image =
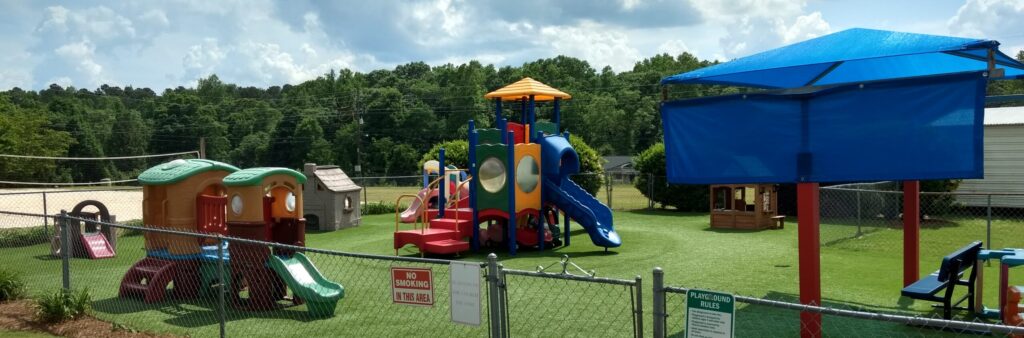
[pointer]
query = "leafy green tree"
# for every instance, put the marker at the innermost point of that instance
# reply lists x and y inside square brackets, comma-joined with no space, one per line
[27,132]
[651,165]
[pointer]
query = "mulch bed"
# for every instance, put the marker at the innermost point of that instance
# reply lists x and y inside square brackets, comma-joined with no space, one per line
[20,316]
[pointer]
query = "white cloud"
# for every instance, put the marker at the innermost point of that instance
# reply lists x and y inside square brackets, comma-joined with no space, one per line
[202,59]
[62,81]
[599,44]
[82,55]
[753,26]
[156,17]
[100,23]
[435,22]
[991,19]
[674,47]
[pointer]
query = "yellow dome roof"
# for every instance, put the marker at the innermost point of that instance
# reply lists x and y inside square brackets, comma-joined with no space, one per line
[527,87]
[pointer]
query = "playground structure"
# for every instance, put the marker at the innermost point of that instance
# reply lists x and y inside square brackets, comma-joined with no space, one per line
[517,184]
[331,198]
[265,205]
[745,206]
[89,238]
[1010,310]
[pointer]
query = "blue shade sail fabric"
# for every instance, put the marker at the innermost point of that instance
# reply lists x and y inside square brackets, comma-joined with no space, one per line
[911,129]
[854,55]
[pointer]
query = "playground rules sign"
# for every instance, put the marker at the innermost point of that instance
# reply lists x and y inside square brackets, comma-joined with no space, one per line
[465,290]
[709,314]
[413,286]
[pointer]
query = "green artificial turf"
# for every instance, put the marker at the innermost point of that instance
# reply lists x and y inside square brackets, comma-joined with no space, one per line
[857,272]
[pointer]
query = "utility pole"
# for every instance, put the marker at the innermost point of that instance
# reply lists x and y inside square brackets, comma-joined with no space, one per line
[202,147]
[358,119]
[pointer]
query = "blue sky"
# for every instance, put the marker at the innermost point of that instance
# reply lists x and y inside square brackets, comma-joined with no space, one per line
[160,44]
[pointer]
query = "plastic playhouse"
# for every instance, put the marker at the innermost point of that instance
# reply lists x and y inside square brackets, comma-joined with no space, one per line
[518,183]
[262,204]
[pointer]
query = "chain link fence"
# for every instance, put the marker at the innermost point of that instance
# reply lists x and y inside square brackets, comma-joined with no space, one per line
[779,315]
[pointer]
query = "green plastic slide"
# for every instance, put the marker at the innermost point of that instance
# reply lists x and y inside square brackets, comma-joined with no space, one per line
[321,295]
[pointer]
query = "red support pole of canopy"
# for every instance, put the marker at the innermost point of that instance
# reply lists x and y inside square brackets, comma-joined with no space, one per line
[911,231]
[809,238]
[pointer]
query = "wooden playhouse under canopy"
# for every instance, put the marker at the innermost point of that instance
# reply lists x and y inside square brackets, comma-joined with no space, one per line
[745,206]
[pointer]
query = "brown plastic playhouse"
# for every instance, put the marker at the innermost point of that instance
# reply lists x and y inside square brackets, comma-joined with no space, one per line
[265,204]
[745,206]
[181,195]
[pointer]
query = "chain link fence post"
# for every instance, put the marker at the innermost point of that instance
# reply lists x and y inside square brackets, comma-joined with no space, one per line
[65,250]
[639,307]
[659,302]
[650,191]
[46,220]
[608,188]
[493,297]
[988,222]
[221,287]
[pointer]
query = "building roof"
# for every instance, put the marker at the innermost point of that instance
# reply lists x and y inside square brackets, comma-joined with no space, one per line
[527,87]
[1004,116]
[334,179]
[181,169]
[255,176]
[612,162]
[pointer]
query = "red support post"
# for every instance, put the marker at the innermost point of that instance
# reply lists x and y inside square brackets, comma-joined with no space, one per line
[911,231]
[809,237]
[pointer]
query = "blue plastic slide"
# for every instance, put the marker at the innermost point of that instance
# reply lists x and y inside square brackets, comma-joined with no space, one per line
[595,217]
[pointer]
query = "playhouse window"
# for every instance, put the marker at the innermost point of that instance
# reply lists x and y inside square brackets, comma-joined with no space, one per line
[721,198]
[236,204]
[492,175]
[289,202]
[348,203]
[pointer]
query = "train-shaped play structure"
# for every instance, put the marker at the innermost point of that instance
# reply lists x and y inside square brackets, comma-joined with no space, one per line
[518,183]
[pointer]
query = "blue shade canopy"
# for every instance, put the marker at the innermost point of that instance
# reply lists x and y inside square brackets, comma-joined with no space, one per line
[909,129]
[855,55]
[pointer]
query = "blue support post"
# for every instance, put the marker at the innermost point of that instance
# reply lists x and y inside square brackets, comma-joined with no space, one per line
[474,243]
[510,175]
[532,118]
[442,186]
[566,135]
[565,228]
[558,114]
[503,126]
[522,110]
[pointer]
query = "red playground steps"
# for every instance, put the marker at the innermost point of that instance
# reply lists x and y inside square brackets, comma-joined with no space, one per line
[149,278]
[443,236]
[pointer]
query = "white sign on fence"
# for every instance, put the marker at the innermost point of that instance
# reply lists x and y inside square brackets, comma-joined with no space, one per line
[709,314]
[465,291]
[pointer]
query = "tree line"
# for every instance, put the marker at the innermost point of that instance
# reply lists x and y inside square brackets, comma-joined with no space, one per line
[382,121]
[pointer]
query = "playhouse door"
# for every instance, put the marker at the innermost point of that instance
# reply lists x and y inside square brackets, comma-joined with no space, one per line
[210,214]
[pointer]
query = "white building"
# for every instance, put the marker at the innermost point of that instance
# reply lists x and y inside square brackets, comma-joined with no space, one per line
[1004,160]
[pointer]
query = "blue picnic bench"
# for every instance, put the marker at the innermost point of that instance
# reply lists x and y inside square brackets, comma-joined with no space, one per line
[951,271]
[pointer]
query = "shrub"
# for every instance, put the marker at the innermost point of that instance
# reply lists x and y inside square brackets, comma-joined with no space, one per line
[63,305]
[11,286]
[590,163]
[380,208]
[456,152]
[651,165]
[24,236]
[125,232]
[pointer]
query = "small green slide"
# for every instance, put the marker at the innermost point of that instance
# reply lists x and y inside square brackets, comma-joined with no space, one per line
[321,295]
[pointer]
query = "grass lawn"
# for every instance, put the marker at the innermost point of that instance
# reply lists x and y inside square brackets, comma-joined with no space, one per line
[856,272]
[23,334]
